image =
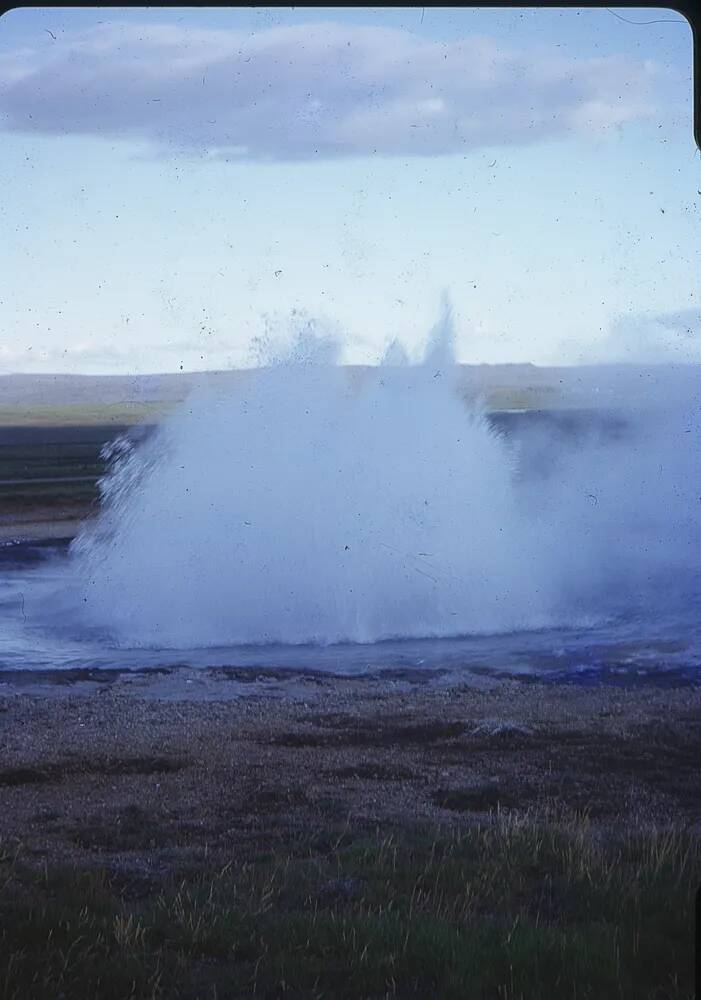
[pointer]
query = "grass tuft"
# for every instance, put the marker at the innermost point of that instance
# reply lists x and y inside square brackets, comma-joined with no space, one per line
[518,907]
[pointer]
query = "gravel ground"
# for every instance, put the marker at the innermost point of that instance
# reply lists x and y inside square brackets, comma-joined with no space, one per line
[117,774]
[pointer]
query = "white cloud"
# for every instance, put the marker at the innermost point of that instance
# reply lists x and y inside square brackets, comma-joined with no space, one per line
[321,90]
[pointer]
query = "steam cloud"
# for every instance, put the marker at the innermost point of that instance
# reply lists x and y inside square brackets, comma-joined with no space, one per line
[308,508]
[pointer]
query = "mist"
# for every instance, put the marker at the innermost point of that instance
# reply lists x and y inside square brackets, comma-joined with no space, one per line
[308,507]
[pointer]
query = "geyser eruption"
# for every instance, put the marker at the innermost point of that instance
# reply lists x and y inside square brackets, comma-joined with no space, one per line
[307,506]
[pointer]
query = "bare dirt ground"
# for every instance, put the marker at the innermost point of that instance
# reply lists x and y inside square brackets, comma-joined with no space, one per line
[116,777]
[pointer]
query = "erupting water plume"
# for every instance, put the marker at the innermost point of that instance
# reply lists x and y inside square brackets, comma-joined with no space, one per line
[306,506]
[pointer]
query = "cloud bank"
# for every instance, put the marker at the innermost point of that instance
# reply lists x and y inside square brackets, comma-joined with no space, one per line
[314,91]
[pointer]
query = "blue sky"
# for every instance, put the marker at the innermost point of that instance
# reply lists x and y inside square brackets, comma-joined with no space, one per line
[179,183]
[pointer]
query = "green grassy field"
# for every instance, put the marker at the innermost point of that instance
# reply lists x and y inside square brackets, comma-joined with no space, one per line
[126,414]
[79,415]
[527,908]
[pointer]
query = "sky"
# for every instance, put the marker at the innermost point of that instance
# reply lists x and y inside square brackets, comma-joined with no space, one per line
[181,187]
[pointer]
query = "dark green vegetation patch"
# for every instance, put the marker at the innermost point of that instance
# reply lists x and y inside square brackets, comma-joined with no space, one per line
[533,908]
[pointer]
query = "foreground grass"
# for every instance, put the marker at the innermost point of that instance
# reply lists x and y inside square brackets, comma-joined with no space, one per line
[515,908]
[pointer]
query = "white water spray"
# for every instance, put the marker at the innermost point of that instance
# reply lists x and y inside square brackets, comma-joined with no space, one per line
[305,508]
